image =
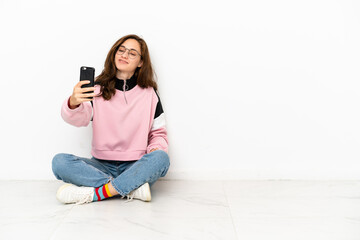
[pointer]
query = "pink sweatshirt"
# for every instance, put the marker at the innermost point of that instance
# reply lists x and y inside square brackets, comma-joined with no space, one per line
[127,126]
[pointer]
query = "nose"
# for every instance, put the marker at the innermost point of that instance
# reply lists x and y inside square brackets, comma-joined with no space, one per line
[126,53]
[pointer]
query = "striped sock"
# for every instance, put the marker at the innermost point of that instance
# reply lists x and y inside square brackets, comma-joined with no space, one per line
[102,193]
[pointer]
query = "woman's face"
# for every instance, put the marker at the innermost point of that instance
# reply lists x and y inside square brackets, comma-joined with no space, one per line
[127,60]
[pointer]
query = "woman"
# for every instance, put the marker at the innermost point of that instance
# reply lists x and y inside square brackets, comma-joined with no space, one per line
[129,144]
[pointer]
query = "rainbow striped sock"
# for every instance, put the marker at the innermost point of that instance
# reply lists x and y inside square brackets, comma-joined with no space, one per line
[102,193]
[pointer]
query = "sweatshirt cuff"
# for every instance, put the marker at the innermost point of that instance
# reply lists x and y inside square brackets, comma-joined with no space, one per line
[149,148]
[68,105]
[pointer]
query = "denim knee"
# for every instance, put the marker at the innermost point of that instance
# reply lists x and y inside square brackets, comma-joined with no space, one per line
[163,160]
[58,164]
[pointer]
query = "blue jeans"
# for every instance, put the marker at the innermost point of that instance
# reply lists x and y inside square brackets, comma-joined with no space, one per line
[124,176]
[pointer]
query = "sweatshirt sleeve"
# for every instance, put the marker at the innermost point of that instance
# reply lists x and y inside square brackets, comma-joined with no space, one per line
[78,117]
[158,133]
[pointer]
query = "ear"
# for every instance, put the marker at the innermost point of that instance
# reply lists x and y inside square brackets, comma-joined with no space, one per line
[140,64]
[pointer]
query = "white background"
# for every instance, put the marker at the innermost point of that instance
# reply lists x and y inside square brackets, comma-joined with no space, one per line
[251,89]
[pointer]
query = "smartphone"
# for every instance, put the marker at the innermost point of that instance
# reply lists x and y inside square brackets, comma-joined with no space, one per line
[87,73]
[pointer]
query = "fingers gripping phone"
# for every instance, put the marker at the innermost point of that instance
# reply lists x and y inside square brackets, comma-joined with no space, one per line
[87,73]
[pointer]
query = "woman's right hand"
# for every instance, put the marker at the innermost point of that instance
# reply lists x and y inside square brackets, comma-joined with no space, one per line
[78,96]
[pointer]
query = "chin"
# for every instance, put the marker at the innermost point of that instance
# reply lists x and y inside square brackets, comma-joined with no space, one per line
[120,68]
[125,69]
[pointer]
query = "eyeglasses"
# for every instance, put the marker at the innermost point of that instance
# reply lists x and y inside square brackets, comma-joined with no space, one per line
[132,52]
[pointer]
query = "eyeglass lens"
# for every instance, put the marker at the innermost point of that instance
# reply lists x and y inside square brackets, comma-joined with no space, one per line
[132,52]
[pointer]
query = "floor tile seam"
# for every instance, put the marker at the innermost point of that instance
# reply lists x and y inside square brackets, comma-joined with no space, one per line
[53,234]
[229,209]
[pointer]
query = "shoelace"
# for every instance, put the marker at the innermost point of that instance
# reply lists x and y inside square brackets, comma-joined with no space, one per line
[86,199]
[130,196]
[124,89]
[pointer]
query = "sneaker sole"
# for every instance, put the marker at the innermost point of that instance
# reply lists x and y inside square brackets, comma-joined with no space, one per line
[60,190]
[148,197]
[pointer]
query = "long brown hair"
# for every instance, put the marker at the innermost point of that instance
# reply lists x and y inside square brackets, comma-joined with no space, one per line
[144,74]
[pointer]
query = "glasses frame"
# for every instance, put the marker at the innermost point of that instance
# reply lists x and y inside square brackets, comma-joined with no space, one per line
[127,49]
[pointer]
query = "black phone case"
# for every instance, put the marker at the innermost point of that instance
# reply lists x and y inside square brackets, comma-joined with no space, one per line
[87,73]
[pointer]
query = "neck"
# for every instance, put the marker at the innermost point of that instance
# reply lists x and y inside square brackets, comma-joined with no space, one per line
[124,75]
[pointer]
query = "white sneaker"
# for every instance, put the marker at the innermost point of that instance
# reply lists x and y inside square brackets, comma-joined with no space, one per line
[69,193]
[143,193]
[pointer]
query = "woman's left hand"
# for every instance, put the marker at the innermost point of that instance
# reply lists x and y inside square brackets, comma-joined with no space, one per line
[154,149]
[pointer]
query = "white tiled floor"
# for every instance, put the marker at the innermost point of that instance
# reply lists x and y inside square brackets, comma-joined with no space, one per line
[291,210]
